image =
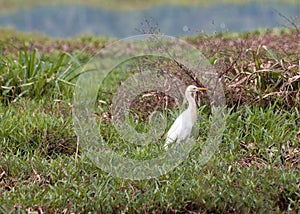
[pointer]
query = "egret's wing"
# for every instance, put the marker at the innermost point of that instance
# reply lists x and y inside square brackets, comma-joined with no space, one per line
[180,130]
[174,131]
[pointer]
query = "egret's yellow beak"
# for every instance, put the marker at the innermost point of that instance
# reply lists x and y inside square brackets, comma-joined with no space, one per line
[201,89]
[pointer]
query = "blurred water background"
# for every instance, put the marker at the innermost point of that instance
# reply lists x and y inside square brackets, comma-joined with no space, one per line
[65,20]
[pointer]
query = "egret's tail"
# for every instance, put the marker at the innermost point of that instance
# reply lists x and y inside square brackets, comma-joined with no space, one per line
[169,141]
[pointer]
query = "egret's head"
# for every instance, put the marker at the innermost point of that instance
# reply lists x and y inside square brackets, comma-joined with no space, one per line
[192,88]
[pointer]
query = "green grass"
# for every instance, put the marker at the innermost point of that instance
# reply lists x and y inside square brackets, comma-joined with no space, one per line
[256,169]
[252,172]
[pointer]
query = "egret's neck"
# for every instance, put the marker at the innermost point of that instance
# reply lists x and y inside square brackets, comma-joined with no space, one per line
[191,101]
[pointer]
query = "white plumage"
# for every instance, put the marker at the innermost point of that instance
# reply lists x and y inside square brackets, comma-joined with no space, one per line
[182,127]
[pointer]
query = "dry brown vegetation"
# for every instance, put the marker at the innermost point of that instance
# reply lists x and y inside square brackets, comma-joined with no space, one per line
[255,68]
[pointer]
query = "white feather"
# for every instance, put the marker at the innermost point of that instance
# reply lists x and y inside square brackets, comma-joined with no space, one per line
[182,127]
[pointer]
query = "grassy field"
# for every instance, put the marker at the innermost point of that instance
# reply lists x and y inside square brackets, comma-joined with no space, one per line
[256,169]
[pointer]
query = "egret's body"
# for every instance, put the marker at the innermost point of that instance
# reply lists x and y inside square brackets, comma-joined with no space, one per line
[182,127]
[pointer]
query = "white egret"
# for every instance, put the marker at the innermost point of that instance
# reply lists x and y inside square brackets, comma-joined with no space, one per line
[182,127]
